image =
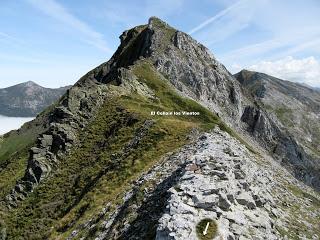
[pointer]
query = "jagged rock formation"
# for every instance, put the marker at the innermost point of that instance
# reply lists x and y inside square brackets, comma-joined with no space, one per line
[194,71]
[73,112]
[144,42]
[27,99]
[103,167]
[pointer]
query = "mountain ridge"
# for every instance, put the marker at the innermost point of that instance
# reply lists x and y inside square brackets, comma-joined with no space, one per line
[27,99]
[276,93]
[99,165]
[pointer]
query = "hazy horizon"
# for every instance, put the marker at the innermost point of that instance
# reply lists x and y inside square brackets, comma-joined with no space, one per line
[11,123]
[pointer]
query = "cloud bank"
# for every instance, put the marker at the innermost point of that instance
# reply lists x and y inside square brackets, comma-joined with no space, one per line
[304,70]
[9,123]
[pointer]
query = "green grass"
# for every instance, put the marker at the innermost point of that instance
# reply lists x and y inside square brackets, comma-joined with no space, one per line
[285,116]
[100,169]
[13,143]
[170,100]
[97,171]
[303,194]
[212,229]
[14,155]
[300,214]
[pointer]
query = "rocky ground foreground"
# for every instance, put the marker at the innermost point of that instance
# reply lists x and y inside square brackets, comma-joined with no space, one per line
[238,190]
[214,179]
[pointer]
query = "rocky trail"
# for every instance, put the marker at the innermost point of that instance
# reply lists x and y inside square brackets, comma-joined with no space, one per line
[213,178]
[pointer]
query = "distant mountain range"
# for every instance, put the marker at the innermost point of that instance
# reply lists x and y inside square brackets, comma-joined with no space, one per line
[27,99]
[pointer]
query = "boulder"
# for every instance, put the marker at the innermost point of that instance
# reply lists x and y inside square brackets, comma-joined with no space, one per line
[246,199]
[224,202]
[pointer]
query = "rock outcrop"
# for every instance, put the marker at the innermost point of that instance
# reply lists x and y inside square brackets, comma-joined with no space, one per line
[72,114]
[214,177]
[195,72]
[228,187]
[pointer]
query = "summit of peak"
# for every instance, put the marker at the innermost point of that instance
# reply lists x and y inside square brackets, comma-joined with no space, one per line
[31,83]
[156,21]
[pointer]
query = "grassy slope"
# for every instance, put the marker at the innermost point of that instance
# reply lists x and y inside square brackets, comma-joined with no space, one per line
[96,172]
[14,152]
[304,218]
[14,155]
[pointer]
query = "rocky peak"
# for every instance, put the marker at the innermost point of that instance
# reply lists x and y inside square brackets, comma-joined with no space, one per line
[244,75]
[188,65]
[259,83]
[193,70]
[279,119]
[31,84]
[25,85]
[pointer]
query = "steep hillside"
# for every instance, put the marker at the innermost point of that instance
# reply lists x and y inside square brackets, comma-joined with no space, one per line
[296,106]
[27,99]
[293,107]
[141,147]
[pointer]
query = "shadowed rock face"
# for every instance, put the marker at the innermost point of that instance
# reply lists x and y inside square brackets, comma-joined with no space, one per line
[27,99]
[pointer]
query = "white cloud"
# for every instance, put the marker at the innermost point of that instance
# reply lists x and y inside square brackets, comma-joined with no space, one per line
[304,70]
[231,20]
[313,44]
[7,36]
[252,31]
[58,12]
[220,14]
[285,45]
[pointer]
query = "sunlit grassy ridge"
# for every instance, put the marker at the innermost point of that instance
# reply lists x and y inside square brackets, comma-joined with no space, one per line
[100,168]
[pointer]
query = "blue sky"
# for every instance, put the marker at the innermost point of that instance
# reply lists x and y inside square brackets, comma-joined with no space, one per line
[55,42]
